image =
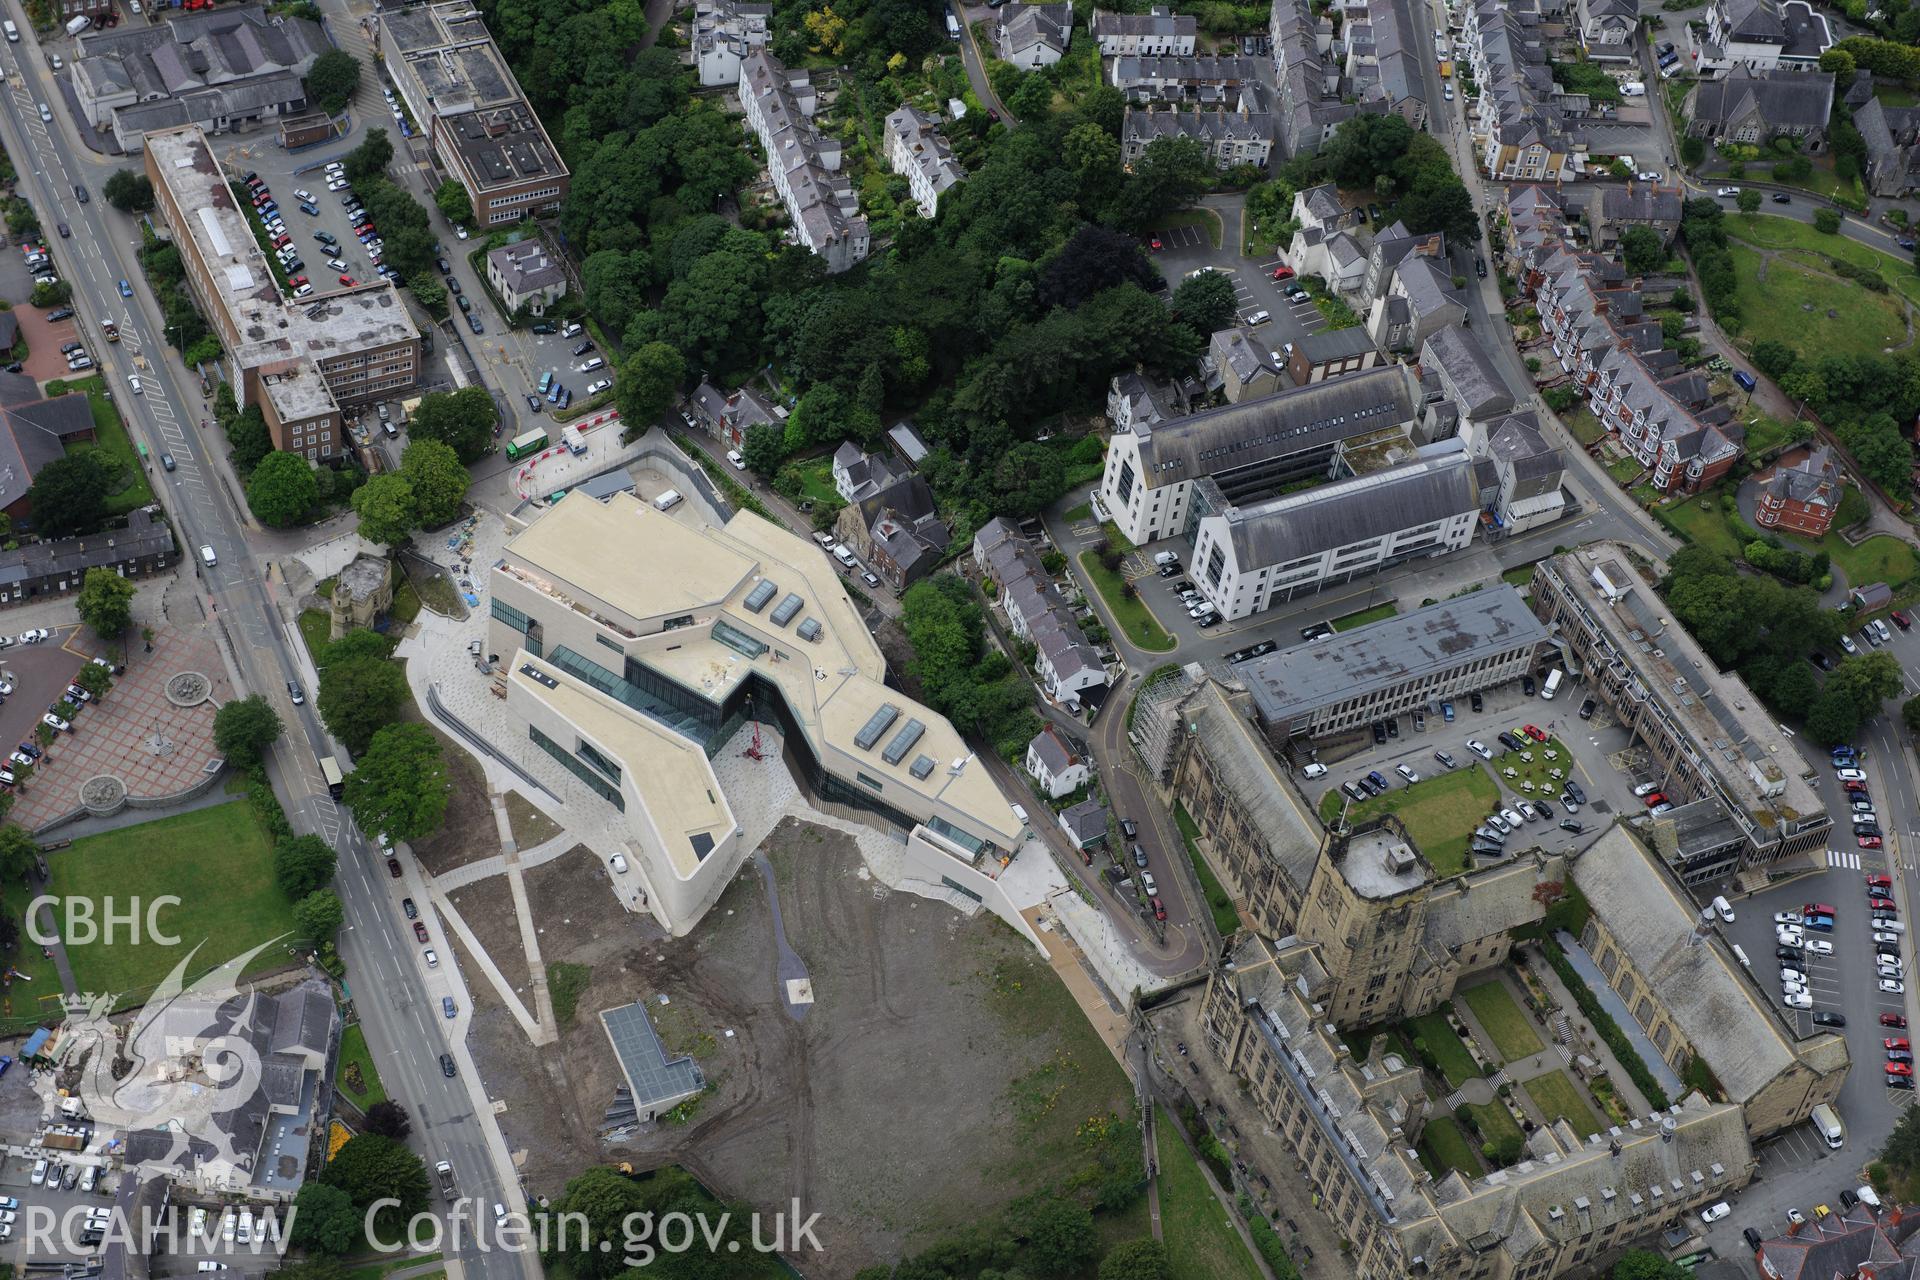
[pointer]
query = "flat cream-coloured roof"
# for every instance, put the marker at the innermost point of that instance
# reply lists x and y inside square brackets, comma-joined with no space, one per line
[671,773]
[832,685]
[625,554]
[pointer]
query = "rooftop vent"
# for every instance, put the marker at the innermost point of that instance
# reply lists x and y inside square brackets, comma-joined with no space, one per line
[757,598]
[921,767]
[784,611]
[809,630]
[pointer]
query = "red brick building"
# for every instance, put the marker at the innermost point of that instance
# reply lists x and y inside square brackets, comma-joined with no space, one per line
[1802,496]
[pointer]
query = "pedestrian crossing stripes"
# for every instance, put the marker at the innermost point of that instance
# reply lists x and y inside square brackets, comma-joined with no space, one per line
[1840,858]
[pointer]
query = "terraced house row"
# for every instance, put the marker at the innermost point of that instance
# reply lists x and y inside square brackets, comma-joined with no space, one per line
[1662,411]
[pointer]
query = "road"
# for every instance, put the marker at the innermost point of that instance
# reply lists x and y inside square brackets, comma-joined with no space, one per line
[390,995]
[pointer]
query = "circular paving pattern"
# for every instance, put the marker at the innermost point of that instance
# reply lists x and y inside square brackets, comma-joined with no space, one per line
[103,794]
[188,689]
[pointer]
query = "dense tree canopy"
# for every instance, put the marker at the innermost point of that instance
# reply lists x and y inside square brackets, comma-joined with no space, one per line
[106,602]
[302,864]
[69,495]
[400,784]
[371,1167]
[438,480]
[463,419]
[360,696]
[244,728]
[282,489]
[332,80]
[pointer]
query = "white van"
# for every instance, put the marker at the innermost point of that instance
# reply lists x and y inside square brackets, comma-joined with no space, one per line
[76,25]
[953,27]
[1633,89]
[13,32]
[667,500]
[207,557]
[843,555]
[1827,1121]
[739,463]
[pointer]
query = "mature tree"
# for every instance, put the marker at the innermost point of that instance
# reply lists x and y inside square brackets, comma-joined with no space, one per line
[386,509]
[1833,719]
[464,419]
[430,291]
[1365,147]
[333,79]
[1439,202]
[389,1119]
[1774,358]
[1027,479]
[438,480]
[370,159]
[604,1198]
[282,489]
[1840,63]
[244,729]
[1205,303]
[69,496]
[1641,250]
[1640,1264]
[1170,173]
[1748,200]
[359,697]
[764,449]
[106,602]
[324,1220]
[646,385]
[18,852]
[1092,261]
[129,191]
[302,864]
[1910,714]
[453,202]
[370,1167]
[1142,1259]
[95,679]
[1794,691]
[1826,220]
[1058,1234]
[319,915]
[615,283]
[400,783]
[361,642]
[1866,680]
[50,293]
[251,440]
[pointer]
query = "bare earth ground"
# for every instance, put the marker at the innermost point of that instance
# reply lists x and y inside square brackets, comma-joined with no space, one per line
[487,907]
[529,826]
[942,1072]
[469,832]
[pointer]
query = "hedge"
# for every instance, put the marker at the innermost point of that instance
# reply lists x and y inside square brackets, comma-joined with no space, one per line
[1630,1059]
[1267,1241]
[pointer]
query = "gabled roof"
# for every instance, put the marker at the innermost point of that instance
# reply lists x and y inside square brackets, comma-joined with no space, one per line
[1466,369]
[1437,486]
[1052,750]
[1023,26]
[1783,99]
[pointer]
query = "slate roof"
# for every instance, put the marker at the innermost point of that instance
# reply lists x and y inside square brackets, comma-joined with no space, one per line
[1537,466]
[1161,21]
[1754,21]
[1815,480]
[527,266]
[1842,1245]
[1476,385]
[1052,751]
[1334,344]
[1086,822]
[1724,1015]
[1436,486]
[1783,99]
[34,434]
[1246,768]
[1427,286]
[1235,349]
[144,537]
[1023,26]
[1636,202]
[1287,422]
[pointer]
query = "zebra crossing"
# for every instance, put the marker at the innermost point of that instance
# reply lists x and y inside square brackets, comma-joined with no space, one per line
[1841,858]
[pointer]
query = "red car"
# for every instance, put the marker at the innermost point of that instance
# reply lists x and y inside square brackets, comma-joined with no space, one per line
[1884,882]
[1894,1020]
[1901,620]
[297,281]
[346,279]
[1283,273]
[1856,786]
[1868,842]
[1658,797]
[1159,909]
[1535,732]
[1154,244]
[393,867]
[1899,1068]
[1897,1042]
[420,931]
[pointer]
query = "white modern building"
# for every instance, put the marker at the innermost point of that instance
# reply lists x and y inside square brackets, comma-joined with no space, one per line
[802,162]
[1248,558]
[1251,449]
[917,151]
[636,644]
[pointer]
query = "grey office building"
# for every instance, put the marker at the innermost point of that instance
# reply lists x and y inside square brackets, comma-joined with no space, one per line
[1446,650]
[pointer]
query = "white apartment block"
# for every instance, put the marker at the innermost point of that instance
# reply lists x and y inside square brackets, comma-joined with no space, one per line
[916,150]
[724,33]
[803,163]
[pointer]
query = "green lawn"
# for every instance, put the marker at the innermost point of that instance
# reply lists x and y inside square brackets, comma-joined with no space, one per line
[1559,1098]
[1537,770]
[1082,512]
[1810,245]
[1226,921]
[353,1050]
[1521,577]
[33,992]
[1792,303]
[216,861]
[1583,426]
[817,479]
[1881,558]
[1494,1120]
[1133,616]
[1623,470]
[1444,1145]
[1456,1064]
[1764,432]
[110,437]
[316,628]
[1513,1036]
[1364,616]
[1440,812]
[1202,1243]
